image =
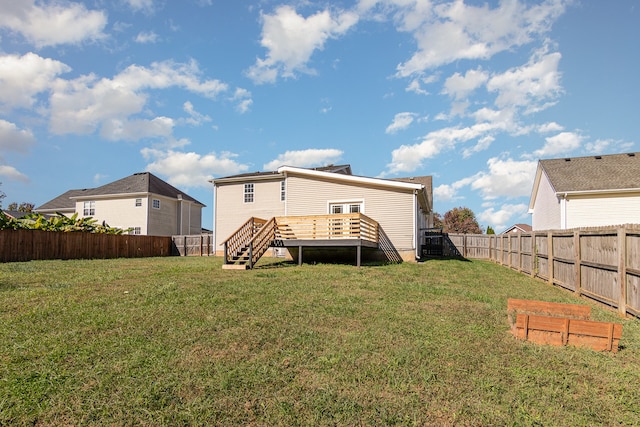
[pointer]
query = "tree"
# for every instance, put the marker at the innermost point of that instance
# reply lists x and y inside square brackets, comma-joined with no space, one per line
[437,220]
[461,220]
[490,230]
[24,207]
[2,196]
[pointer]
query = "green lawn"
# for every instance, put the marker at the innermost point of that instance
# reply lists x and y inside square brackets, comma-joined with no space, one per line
[179,341]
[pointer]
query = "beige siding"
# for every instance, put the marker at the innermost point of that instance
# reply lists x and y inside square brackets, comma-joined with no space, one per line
[121,213]
[163,221]
[393,209]
[546,210]
[231,211]
[613,209]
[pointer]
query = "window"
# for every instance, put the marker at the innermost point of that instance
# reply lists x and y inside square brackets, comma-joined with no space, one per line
[156,204]
[283,191]
[248,193]
[135,230]
[138,202]
[89,208]
[345,207]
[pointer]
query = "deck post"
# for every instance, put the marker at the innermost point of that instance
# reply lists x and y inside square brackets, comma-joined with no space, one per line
[225,253]
[299,255]
[358,255]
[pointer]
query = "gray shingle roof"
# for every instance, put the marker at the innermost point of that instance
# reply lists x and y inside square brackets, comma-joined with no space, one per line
[594,173]
[343,169]
[143,182]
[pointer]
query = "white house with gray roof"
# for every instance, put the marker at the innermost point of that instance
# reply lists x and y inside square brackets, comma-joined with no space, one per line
[142,202]
[587,191]
[401,207]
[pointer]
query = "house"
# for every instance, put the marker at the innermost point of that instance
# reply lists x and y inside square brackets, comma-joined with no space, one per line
[586,192]
[327,212]
[518,228]
[142,202]
[15,214]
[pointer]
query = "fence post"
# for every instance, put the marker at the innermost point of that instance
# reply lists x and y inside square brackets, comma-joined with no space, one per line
[534,255]
[578,258]
[622,270]
[550,257]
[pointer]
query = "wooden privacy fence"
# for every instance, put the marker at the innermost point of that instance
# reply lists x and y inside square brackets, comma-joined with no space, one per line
[27,245]
[194,245]
[600,263]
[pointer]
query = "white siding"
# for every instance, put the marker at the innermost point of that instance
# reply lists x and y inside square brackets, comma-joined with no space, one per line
[546,209]
[163,221]
[231,211]
[122,213]
[393,209]
[613,209]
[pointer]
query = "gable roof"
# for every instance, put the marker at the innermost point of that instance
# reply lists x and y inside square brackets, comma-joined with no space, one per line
[340,169]
[138,183]
[523,228]
[593,173]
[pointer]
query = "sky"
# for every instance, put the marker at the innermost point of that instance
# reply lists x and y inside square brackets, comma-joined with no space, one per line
[471,92]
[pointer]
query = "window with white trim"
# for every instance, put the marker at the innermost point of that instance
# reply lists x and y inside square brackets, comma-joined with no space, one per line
[89,208]
[135,230]
[156,204]
[283,191]
[138,202]
[248,193]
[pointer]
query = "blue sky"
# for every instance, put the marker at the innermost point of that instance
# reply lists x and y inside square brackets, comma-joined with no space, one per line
[473,93]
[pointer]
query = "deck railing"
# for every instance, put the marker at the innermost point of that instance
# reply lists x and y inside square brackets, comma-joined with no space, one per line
[327,227]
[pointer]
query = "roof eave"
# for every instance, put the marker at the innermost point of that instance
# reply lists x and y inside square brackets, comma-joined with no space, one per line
[350,178]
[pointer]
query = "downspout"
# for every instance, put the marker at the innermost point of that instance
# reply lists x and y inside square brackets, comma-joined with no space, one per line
[415,228]
[563,212]
[180,230]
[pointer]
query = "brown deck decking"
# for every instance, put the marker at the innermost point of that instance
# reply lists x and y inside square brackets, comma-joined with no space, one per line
[249,242]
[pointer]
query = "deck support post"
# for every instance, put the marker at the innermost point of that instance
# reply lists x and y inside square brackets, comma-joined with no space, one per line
[358,255]
[299,255]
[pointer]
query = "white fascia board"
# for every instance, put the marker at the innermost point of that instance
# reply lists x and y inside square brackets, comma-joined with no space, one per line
[111,196]
[564,194]
[247,178]
[350,178]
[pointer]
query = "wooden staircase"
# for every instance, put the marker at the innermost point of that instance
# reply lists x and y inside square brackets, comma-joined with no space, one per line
[245,247]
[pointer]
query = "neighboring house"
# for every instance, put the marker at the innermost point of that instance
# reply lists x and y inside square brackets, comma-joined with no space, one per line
[586,192]
[142,202]
[15,214]
[401,207]
[518,228]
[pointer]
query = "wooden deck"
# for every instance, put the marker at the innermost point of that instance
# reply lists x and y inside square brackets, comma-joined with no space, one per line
[249,242]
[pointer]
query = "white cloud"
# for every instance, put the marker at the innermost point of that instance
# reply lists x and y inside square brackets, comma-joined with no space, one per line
[145,37]
[530,85]
[562,143]
[291,39]
[459,87]
[482,145]
[189,169]
[505,178]
[88,103]
[448,32]
[401,121]
[195,118]
[602,146]
[243,99]
[12,173]
[52,24]
[502,218]
[14,139]
[141,5]
[408,158]
[305,158]
[23,77]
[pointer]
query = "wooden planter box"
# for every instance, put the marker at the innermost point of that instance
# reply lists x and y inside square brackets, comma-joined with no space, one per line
[561,324]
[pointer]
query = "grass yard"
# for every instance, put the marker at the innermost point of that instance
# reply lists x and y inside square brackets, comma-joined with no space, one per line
[179,341]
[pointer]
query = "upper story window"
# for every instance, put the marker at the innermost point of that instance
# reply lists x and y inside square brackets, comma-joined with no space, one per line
[283,191]
[138,202]
[135,230]
[89,208]
[248,193]
[156,204]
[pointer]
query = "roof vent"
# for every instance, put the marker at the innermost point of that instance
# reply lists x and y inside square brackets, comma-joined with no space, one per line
[567,159]
[631,154]
[598,157]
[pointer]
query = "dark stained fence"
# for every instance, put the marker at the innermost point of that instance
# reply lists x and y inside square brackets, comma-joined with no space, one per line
[194,245]
[599,263]
[27,245]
